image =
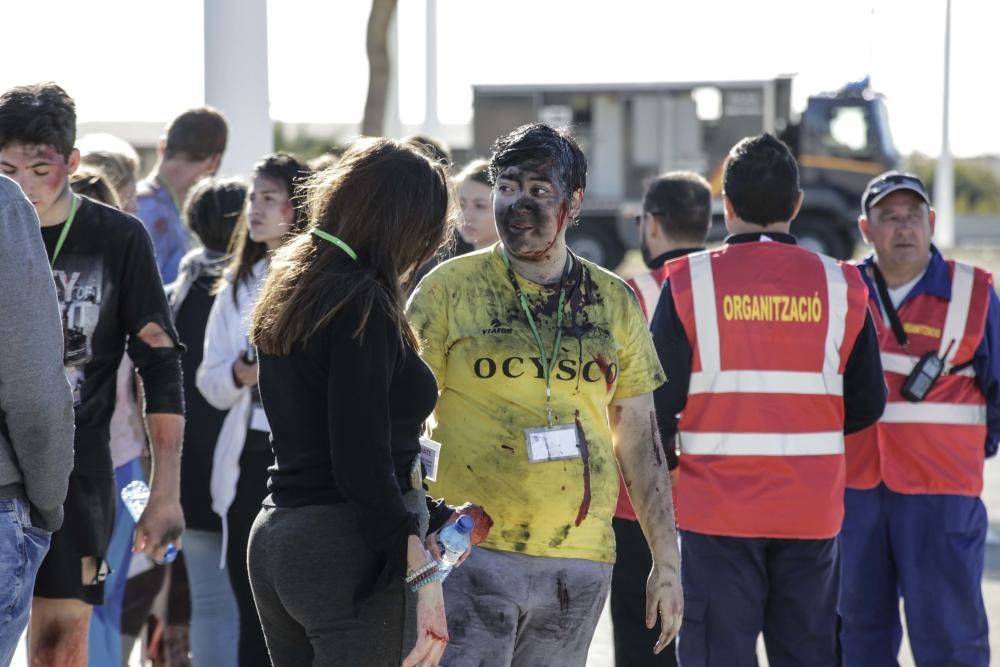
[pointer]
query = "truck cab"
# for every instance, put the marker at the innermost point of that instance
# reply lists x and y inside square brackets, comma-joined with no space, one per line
[633,132]
[841,142]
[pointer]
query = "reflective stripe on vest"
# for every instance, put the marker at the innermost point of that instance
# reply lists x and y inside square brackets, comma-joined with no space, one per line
[934,446]
[902,364]
[956,414]
[711,380]
[648,291]
[761,435]
[763,444]
[958,311]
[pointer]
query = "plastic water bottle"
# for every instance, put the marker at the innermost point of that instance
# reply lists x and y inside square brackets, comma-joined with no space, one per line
[135,495]
[454,540]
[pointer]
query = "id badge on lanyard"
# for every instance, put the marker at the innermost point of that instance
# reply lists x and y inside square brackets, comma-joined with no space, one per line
[550,442]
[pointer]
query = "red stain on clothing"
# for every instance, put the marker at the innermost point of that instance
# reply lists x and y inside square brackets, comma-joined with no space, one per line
[608,370]
[585,455]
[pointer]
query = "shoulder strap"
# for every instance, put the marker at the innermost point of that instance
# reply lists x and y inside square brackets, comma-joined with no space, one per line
[890,310]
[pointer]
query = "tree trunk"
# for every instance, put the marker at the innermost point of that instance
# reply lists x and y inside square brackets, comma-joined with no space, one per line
[378,66]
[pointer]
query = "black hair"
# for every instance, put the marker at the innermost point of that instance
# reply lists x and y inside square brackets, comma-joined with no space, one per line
[681,203]
[40,114]
[761,180]
[539,144]
[213,210]
[292,172]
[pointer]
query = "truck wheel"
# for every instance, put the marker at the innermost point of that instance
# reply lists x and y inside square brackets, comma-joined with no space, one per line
[819,237]
[597,241]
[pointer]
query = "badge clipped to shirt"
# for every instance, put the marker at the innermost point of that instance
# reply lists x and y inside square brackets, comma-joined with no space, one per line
[552,443]
[430,455]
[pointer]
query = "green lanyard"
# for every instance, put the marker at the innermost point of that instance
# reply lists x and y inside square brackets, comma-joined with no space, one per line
[330,238]
[65,230]
[170,191]
[548,363]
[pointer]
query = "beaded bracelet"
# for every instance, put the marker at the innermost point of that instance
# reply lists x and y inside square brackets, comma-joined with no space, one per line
[413,575]
[429,577]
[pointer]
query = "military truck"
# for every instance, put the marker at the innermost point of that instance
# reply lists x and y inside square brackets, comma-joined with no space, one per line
[632,132]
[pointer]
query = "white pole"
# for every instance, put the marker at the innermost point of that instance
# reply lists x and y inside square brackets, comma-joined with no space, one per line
[944,173]
[392,125]
[236,79]
[431,123]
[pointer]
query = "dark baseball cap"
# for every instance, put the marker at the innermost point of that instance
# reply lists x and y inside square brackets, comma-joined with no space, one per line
[885,184]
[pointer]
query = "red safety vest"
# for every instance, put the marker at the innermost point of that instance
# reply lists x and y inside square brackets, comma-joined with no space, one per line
[771,327]
[647,289]
[935,446]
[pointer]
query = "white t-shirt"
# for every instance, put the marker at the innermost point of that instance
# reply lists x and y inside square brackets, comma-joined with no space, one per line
[897,294]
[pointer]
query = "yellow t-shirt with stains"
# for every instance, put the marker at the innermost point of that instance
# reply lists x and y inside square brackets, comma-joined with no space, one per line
[477,341]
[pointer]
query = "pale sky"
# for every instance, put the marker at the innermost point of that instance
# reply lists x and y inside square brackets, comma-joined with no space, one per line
[141,59]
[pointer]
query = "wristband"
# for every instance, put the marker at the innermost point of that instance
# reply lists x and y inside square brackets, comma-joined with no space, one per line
[430,577]
[413,575]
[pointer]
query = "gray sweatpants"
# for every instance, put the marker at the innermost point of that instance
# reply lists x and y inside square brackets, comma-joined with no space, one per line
[525,611]
[305,566]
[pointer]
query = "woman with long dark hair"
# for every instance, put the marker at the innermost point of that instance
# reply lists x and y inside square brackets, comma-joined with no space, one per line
[346,395]
[227,377]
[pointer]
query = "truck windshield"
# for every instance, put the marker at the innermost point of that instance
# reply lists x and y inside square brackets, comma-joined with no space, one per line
[848,134]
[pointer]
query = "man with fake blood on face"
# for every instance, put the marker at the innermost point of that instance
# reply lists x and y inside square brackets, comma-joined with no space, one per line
[546,372]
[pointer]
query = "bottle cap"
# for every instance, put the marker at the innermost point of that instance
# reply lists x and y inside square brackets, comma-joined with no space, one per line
[169,555]
[465,524]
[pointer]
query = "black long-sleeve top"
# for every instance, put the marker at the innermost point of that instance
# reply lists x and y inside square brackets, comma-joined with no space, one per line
[864,384]
[346,416]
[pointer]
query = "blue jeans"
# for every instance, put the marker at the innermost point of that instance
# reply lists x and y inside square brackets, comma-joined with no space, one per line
[215,617]
[22,549]
[106,621]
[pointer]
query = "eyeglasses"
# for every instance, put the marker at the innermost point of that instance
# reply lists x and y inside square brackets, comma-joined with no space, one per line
[638,218]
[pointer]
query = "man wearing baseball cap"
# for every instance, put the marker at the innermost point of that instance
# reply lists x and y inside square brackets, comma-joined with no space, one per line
[914,525]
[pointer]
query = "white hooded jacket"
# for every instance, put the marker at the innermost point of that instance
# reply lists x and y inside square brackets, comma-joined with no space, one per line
[225,341]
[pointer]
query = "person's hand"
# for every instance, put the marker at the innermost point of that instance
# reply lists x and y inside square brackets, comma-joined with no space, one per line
[432,543]
[432,628]
[161,523]
[245,374]
[664,598]
[484,522]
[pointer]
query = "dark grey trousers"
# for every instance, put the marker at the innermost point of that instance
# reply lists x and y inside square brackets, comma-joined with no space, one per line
[305,564]
[513,610]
